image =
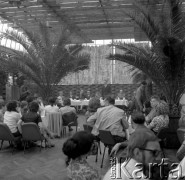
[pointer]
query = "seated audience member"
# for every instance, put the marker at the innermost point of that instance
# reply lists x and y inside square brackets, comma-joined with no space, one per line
[82,94]
[77,148]
[121,95]
[162,118]
[12,117]
[51,108]
[41,106]
[97,95]
[33,116]
[88,96]
[138,125]
[94,104]
[67,108]
[144,148]
[154,101]
[60,98]
[112,119]
[71,95]
[24,107]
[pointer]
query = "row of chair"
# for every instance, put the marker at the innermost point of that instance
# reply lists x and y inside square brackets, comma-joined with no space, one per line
[30,132]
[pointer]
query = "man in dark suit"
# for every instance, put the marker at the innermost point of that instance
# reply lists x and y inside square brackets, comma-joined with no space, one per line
[106,89]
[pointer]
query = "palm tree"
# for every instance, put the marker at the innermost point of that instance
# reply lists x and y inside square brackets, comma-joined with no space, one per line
[164,61]
[44,59]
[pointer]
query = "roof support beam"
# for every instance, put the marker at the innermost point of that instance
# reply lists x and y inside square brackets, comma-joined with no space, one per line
[71,27]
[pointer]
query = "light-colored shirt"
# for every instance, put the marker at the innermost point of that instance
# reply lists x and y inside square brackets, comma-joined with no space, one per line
[126,171]
[11,118]
[109,118]
[51,109]
[67,109]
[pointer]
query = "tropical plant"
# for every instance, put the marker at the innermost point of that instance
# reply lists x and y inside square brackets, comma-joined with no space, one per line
[164,60]
[44,59]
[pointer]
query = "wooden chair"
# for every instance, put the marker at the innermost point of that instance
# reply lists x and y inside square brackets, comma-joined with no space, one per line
[107,139]
[31,132]
[6,135]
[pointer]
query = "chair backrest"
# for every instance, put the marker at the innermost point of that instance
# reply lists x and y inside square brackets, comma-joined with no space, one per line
[70,118]
[106,137]
[5,133]
[181,134]
[87,128]
[31,132]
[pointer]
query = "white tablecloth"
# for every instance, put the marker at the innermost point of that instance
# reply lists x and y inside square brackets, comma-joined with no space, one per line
[86,102]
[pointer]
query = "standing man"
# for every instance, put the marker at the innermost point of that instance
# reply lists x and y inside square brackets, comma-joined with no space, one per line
[106,90]
[141,96]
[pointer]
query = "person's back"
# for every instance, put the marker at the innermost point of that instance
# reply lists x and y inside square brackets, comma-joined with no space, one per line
[31,117]
[67,109]
[51,108]
[111,118]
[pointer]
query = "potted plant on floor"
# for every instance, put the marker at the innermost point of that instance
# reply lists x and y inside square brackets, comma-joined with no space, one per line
[164,60]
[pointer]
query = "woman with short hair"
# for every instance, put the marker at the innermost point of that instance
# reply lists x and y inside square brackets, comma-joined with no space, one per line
[162,118]
[77,148]
[51,108]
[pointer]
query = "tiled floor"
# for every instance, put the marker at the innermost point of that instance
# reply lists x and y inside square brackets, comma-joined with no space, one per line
[49,164]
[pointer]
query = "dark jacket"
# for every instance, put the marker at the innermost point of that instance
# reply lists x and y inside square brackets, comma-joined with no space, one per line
[106,91]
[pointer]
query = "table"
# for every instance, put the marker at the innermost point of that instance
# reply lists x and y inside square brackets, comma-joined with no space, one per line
[54,123]
[81,103]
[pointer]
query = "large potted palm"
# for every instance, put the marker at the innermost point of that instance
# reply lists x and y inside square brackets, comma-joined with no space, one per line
[43,59]
[164,60]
